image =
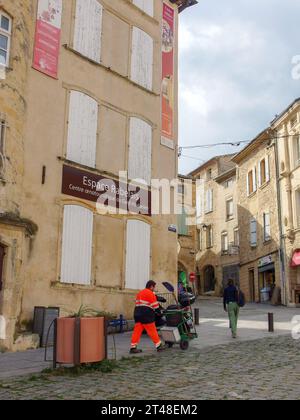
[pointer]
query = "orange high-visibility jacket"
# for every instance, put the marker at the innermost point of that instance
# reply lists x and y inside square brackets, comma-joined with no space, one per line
[145,305]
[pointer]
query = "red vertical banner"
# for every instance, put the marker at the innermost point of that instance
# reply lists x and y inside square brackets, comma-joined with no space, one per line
[167,87]
[47,37]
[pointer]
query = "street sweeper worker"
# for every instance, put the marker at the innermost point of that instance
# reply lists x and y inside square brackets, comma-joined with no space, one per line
[144,315]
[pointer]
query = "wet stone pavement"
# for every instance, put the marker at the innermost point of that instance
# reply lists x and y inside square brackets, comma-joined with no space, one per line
[267,368]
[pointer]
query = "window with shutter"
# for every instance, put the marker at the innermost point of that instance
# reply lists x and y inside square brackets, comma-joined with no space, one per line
[5,38]
[88,29]
[146,5]
[209,237]
[142,58]
[229,209]
[77,241]
[253,232]
[138,254]
[82,129]
[209,201]
[140,150]
[297,151]
[225,243]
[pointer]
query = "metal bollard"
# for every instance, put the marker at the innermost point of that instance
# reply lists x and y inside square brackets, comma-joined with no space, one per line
[196,316]
[271,322]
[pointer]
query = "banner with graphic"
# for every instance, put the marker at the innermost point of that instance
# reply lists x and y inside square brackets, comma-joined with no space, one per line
[47,37]
[167,88]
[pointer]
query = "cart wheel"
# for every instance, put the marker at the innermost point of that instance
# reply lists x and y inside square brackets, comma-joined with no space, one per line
[170,345]
[184,345]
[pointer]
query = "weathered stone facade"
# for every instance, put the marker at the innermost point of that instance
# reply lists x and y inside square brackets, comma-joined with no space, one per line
[37,115]
[286,130]
[218,260]
[263,252]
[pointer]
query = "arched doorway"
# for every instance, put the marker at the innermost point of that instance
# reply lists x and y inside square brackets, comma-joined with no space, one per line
[209,279]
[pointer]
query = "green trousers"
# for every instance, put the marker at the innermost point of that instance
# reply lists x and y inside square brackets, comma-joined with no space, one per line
[233,313]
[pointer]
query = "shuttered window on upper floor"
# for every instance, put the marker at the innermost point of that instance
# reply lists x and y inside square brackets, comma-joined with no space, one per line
[140,150]
[77,241]
[138,254]
[253,232]
[82,129]
[146,5]
[142,58]
[88,29]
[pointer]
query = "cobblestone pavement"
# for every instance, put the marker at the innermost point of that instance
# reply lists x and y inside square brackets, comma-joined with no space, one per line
[262,369]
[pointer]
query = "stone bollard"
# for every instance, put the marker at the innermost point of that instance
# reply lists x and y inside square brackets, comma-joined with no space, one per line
[196,316]
[271,322]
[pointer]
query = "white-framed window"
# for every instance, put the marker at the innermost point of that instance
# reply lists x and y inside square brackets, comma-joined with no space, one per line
[263,171]
[229,209]
[267,227]
[253,232]
[77,244]
[297,197]
[5,38]
[225,242]
[142,58]
[229,183]
[180,188]
[82,129]
[209,201]
[140,150]
[199,236]
[138,254]
[251,182]
[209,237]
[146,6]
[296,142]
[88,29]
[236,234]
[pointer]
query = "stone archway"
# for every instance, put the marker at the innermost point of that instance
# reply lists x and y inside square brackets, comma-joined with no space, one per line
[209,279]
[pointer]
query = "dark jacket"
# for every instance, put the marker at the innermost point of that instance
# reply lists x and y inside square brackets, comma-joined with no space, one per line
[231,294]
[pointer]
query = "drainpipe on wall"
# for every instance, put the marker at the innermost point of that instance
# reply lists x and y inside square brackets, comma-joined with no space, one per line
[282,256]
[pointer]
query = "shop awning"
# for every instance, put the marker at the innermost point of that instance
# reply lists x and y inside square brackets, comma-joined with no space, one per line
[296,259]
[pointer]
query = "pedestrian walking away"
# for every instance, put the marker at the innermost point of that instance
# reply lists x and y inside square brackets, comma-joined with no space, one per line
[231,306]
[144,315]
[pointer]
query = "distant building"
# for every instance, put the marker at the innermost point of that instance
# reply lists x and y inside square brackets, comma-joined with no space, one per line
[217,232]
[258,219]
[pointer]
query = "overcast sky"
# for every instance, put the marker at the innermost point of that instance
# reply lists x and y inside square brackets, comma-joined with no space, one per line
[235,71]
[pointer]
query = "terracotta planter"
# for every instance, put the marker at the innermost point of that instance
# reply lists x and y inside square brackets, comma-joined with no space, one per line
[80,340]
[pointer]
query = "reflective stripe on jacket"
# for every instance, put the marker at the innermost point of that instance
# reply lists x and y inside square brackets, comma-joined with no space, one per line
[145,305]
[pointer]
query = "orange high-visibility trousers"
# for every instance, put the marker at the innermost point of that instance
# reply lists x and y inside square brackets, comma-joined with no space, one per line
[151,331]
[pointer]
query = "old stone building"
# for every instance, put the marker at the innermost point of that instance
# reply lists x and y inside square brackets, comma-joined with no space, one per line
[89,91]
[217,236]
[286,131]
[186,232]
[258,218]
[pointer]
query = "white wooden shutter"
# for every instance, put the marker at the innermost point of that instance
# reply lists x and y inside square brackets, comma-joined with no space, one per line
[142,58]
[253,232]
[267,226]
[77,245]
[259,174]
[140,150]
[82,129]
[88,28]
[268,175]
[254,180]
[146,5]
[248,189]
[138,254]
